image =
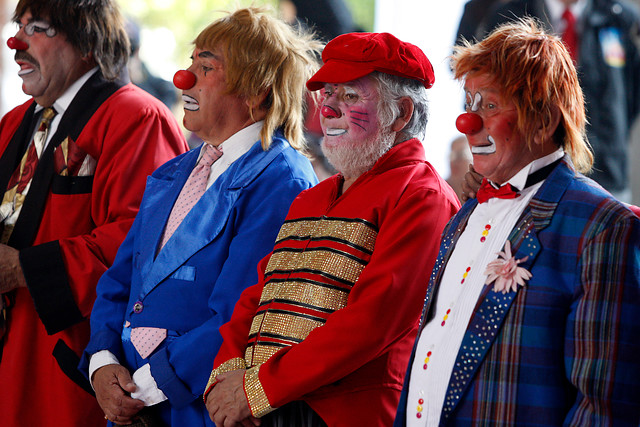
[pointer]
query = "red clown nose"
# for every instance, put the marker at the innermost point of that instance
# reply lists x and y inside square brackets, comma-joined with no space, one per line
[329,112]
[17,44]
[469,123]
[184,79]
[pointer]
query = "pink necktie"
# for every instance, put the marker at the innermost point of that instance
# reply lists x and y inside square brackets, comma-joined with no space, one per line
[193,189]
[570,36]
[145,340]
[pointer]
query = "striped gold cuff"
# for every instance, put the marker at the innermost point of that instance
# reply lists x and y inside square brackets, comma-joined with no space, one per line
[258,401]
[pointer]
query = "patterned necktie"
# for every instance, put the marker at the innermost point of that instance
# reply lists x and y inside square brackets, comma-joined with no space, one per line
[21,179]
[570,36]
[488,191]
[193,189]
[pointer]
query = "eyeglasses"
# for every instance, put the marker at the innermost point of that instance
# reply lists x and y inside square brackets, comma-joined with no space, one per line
[38,27]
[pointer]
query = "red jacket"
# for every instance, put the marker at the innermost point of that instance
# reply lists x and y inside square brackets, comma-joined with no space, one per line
[73,239]
[350,367]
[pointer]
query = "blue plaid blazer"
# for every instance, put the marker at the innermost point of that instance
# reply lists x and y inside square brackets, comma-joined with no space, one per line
[564,349]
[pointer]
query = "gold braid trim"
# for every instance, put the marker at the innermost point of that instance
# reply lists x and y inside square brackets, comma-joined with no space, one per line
[258,401]
[228,366]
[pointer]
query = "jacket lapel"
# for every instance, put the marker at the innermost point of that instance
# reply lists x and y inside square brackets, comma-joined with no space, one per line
[197,230]
[17,147]
[492,308]
[86,102]
[161,191]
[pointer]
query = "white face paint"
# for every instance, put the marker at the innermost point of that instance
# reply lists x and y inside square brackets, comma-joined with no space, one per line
[499,149]
[485,149]
[477,99]
[190,103]
[475,107]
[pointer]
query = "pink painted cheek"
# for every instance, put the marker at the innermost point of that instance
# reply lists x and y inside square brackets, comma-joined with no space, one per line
[361,120]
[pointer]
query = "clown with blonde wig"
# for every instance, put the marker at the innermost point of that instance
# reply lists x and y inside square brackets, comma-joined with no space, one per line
[530,315]
[270,70]
[206,220]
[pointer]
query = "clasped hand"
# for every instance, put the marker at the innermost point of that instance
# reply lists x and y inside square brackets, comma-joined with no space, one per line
[113,384]
[227,403]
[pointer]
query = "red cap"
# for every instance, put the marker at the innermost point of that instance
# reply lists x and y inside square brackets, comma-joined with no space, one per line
[354,55]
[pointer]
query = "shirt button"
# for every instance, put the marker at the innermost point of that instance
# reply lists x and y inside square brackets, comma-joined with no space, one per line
[137,307]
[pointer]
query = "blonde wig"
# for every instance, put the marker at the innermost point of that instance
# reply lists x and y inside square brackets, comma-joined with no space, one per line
[265,55]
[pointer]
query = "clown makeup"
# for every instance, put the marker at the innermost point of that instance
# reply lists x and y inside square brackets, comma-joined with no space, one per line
[210,111]
[474,104]
[351,105]
[48,63]
[353,140]
[499,148]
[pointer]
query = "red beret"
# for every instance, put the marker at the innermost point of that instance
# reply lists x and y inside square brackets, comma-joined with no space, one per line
[354,55]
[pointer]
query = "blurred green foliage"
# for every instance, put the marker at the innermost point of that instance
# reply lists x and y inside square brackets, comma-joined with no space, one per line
[363,12]
[186,18]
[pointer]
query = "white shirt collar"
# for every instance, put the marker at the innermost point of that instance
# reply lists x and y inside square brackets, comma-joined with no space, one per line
[233,148]
[519,180]
[240,142]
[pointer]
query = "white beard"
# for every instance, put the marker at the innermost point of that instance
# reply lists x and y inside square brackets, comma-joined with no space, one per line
[355,159]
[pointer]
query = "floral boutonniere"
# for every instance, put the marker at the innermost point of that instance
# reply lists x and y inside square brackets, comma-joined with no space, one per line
[505,271]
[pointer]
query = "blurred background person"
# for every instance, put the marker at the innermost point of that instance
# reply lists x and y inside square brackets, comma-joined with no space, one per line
[140,74]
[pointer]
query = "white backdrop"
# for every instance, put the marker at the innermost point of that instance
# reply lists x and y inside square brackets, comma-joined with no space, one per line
[431,25]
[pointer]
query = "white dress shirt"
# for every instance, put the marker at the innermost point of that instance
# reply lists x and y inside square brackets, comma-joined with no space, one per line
[462,282]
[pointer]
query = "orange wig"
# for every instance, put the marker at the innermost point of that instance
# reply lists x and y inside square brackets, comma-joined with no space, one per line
[535,71]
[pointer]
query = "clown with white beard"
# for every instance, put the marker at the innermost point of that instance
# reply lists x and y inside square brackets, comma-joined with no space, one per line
[327,331]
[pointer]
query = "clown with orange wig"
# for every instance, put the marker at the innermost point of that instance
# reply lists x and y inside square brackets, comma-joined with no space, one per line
[531,313]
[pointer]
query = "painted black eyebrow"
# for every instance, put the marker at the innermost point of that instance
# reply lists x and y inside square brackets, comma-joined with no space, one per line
[207,54]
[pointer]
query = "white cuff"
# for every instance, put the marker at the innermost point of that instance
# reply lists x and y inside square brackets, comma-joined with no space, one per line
[148,390]
[100,359]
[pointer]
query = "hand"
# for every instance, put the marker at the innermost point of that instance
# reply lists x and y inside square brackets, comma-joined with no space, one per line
[112,384]
[227,403]
[11,275]
[471,183]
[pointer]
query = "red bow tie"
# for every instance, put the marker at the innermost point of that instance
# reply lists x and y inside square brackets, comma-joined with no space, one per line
[487,191]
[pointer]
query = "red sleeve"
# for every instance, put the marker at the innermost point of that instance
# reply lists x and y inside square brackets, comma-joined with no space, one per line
[236,331]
